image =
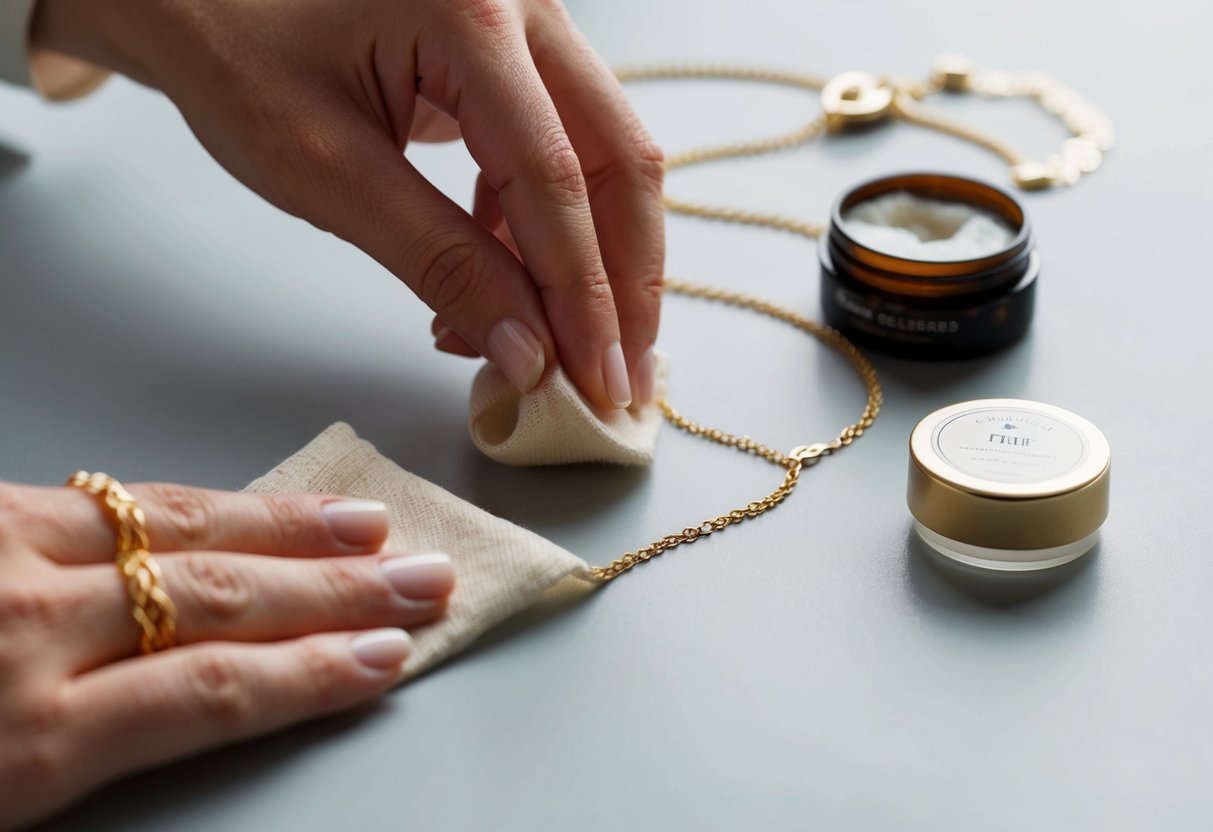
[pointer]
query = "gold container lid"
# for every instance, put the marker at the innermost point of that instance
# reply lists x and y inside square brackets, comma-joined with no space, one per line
[1009,474]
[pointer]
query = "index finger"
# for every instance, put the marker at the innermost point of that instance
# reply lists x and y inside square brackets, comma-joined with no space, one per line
[513,131]
[70,526]
[625,169]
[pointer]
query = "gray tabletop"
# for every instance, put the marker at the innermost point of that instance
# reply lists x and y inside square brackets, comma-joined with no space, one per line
[813,669]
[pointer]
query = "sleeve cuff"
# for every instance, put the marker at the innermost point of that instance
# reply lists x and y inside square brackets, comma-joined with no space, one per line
[54,76]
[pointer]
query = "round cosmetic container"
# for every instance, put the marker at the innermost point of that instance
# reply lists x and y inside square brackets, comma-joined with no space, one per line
[1008,484]
[929,308]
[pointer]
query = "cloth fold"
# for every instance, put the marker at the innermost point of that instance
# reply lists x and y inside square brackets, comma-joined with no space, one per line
[553,424]
[501,568]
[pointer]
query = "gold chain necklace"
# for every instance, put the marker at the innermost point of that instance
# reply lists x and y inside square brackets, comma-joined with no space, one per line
[850,99]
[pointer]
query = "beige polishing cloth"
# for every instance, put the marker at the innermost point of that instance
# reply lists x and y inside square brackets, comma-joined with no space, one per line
[501,568]
[553,425]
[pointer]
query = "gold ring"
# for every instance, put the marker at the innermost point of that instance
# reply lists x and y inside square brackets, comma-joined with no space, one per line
[152,609]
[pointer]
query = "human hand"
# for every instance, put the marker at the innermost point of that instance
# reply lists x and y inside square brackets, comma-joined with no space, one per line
[311,103]
[276,599]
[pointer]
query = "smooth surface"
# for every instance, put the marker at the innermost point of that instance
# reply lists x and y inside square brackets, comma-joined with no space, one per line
[815,669]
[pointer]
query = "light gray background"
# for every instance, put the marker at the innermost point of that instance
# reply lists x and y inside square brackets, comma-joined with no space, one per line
[813,669]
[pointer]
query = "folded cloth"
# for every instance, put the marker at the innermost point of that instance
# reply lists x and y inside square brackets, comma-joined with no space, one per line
[553,424]
[501,568]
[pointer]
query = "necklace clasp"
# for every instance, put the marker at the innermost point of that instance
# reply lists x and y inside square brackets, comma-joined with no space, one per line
[855,98]
[808,454]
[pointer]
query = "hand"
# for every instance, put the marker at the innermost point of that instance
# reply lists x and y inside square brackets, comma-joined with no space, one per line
[310,103]
[271,595]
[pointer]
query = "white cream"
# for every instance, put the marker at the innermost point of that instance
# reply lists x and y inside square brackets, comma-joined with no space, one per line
[905,225]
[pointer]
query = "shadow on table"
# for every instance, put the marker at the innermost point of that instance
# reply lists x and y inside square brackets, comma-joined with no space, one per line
[174,383]
[946,583]
[11,159]
[530,622]
[551,496]
[171,790]
[1003,374]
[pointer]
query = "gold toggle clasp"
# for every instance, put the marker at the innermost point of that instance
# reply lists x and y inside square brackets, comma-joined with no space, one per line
[855,98]
[809,454]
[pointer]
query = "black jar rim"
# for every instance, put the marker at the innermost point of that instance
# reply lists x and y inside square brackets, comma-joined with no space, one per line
[944,187]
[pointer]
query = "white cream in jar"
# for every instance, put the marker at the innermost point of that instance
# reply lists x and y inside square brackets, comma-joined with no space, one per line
[919,228]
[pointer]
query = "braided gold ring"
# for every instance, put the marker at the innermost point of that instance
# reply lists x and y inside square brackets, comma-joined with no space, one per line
[152,609]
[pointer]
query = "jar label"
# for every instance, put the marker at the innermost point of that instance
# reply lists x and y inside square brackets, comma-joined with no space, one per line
[1010,445]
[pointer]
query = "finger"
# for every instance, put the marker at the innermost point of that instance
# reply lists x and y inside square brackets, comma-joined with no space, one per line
[624,170]
[447,340]
[142,712]
[432,125]
[71,526]
[229,597]
[364,191]
[486,205]
[486,209]
[513,131]
[451,343]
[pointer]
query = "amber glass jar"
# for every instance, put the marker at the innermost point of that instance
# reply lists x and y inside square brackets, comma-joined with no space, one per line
[936,309]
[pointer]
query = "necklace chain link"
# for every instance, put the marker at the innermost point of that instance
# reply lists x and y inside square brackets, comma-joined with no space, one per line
[849,99]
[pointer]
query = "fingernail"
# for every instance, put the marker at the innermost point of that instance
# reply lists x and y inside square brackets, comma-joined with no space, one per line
[615,373]
[516,350]
[357,522]
[420,577]
[384,649]
[646,372]
[441,334]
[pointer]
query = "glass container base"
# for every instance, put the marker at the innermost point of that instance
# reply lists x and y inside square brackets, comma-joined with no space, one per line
[1006,560]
